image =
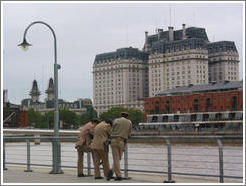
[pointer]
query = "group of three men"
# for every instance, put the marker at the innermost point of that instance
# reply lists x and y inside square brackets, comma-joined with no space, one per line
[96,136]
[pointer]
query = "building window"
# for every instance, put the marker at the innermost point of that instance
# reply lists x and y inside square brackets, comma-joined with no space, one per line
[208,103]
[234,103]
[196,108]
[157,108]
[167,106]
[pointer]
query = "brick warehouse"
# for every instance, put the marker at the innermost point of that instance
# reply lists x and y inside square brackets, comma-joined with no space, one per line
[214,97]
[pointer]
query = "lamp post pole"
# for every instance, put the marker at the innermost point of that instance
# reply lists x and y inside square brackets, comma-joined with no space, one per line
[56,148]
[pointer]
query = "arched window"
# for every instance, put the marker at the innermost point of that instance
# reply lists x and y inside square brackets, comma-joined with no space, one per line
[234,103]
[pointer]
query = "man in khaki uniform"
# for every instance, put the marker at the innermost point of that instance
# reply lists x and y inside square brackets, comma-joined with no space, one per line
[83,143]
[121,130]
[102,135]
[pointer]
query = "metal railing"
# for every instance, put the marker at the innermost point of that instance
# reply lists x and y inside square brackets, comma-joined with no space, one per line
[201,156]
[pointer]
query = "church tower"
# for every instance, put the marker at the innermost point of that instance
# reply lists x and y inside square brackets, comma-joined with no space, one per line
[35,93]
[50,90]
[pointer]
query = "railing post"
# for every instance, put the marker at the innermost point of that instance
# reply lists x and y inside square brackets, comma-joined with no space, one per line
[221,169]
[126,162]
[56,156]
[28,156]
[53,156]
[89,163]
[4,161]
[169,161]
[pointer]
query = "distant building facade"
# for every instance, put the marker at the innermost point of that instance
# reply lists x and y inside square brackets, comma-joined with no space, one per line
[175,58]
[120,78]
[79,106]
[223,61]
[213,97]
[13,115]
[182,57]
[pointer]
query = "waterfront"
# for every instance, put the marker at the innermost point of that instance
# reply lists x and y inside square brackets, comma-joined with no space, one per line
[186,158]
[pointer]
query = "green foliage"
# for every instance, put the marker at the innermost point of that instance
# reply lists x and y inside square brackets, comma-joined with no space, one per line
[88,116]
[49,117]
[35,119]
[69,118]
[136,116]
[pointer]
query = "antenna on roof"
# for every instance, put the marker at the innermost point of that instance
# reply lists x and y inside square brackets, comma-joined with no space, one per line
[194,16]
[170,12]
[126,35]
[213,38]
[174,17]
[42,81]
[156,25]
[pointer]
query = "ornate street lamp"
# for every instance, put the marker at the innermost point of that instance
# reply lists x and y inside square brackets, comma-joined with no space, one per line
[56,148]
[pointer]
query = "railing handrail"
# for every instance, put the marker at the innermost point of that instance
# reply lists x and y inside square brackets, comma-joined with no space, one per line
[133,137]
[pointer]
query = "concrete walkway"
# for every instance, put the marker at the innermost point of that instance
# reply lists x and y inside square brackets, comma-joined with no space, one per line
[16,174]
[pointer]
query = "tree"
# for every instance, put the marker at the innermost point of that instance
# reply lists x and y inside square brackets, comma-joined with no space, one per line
[49,117]
[135,115]
[36,119]
[88,116]
[68,117]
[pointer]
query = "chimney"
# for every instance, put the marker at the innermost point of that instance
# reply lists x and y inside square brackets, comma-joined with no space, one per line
[5,96]
[146,44]
[184,34]
[170,28]
[146,35]
[159,33]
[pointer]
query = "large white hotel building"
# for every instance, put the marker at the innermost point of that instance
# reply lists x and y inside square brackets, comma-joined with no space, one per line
[169,59]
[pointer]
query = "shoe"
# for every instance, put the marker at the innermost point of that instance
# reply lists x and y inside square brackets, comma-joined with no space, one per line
[110,174]
[81,175]
[98,177]
[118,179]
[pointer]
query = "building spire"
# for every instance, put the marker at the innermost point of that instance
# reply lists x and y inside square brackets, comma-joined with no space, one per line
[50,90]
[35,93]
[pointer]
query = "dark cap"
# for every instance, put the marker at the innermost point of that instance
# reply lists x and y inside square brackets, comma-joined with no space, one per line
[95,120]
[124,114]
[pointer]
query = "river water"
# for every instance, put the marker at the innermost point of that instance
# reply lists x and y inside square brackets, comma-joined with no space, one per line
[186,158]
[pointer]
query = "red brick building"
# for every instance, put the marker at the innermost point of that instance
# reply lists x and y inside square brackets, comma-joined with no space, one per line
[13,116]
[214,97]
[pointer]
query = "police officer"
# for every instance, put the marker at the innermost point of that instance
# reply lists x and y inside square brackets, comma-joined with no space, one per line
[100,142]
[83,143]
[121,130]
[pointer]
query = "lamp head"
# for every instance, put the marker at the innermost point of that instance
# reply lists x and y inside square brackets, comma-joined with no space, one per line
[24,45]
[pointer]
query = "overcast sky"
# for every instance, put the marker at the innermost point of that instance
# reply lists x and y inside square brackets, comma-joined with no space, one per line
[84,30]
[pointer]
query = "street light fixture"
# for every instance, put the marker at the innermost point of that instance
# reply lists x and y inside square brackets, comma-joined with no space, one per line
[56,148]
[24,45]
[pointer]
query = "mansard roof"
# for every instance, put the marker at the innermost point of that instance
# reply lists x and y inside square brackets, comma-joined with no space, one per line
[191,32]
[164,46]
[211,87]
[221,46]
[122,53]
